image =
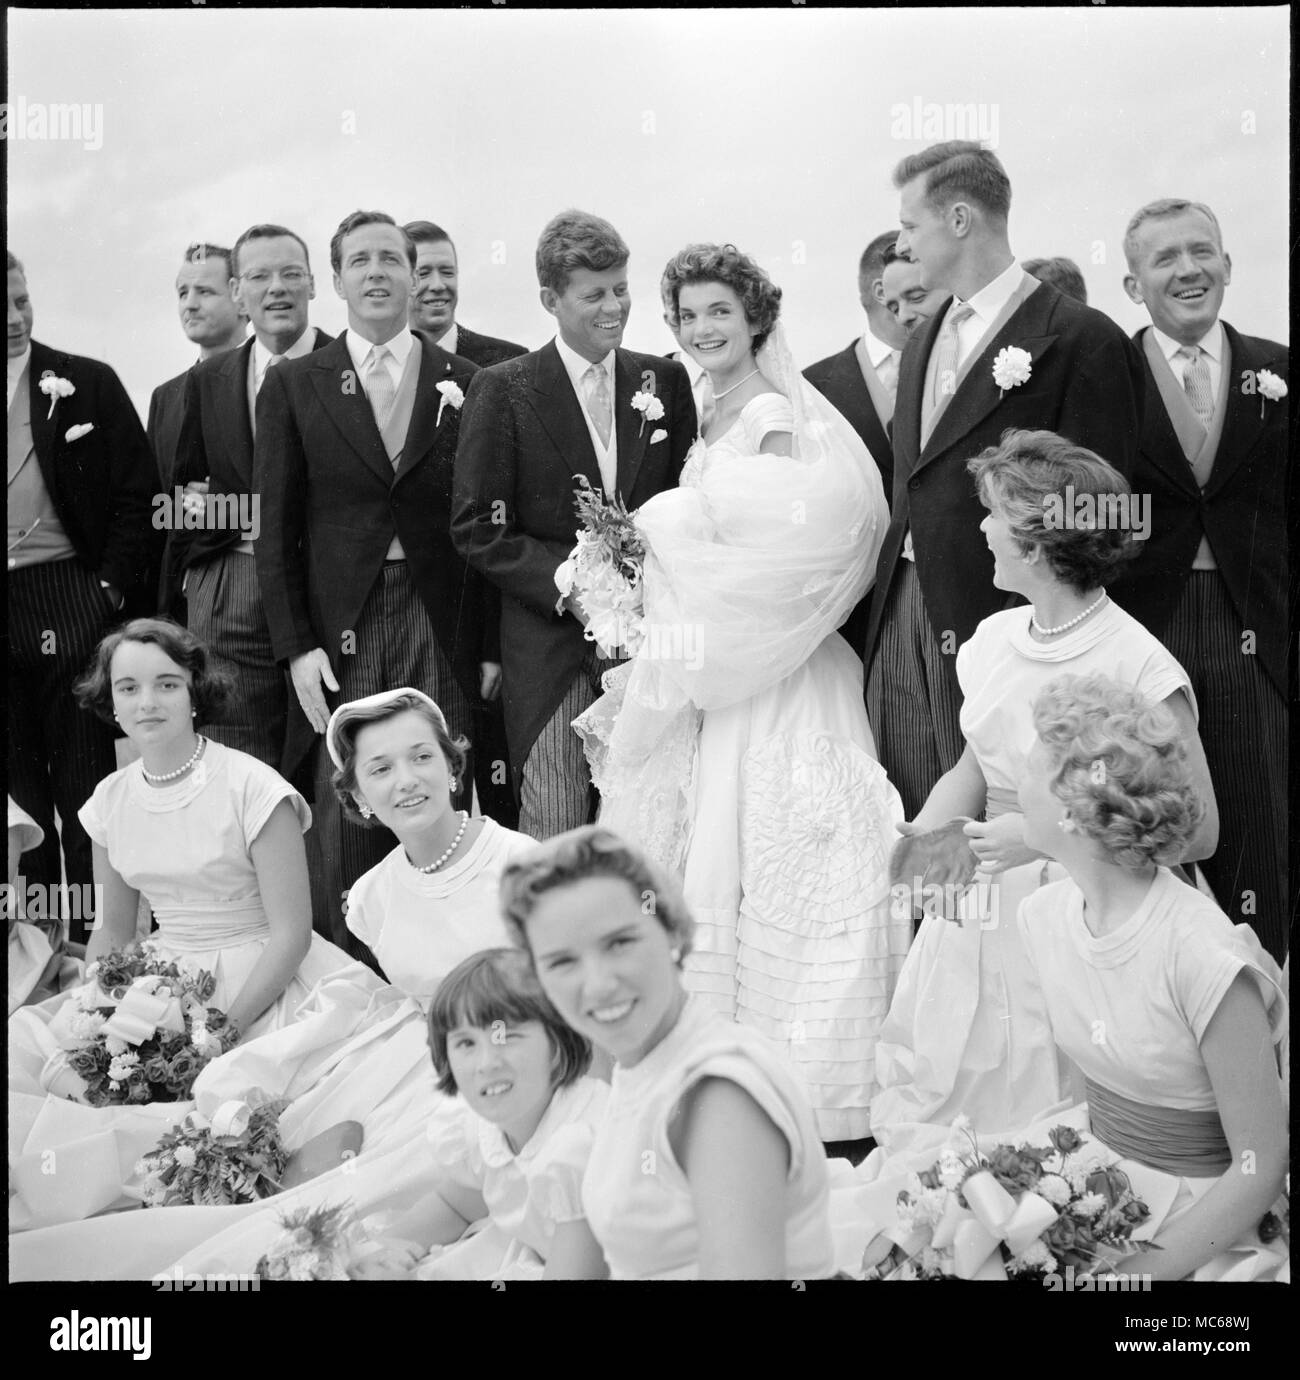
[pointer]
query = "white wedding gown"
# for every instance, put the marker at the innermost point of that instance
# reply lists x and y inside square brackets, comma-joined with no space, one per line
[735,747]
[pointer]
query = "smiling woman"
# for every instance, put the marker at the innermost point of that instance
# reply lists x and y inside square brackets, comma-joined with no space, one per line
[707,1165]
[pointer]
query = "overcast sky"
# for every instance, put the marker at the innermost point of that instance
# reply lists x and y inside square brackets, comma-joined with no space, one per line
[776,129]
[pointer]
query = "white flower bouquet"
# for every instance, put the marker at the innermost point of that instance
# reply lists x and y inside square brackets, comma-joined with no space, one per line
[237,1157]
[603,571]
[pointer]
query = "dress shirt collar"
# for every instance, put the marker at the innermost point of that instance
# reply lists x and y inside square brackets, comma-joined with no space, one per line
[451,339]
[262,356]
[877,350]
[576,366]
[988,302]
[359,347]
[15,370]
[1211,342]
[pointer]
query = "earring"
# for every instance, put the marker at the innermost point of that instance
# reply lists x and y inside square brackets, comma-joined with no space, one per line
[1066,826]
[455,784]
[194,713]
[675,955]
[365,811]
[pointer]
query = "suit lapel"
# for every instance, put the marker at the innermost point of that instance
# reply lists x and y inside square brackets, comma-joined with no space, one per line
[337,384]
[1161,443]
[911,388]
[848,372]
[561,417]
[632,436]
[977,395]
[45,432]
[233,410]
[1245,419]
[435,366]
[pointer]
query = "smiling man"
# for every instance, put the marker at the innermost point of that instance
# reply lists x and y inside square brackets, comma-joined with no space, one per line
[362,587]
[1211,581]
[903,296]
[273,284]
[530,424]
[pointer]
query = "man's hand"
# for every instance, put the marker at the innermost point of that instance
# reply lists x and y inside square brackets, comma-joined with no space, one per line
[489,680]
[192,501]
[308,671]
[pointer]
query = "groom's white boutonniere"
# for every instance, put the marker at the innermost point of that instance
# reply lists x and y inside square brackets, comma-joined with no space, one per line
[659,434]
[1011,368]
[649,406]
[75,433]
[55,388]
[452,395]
[1271,388]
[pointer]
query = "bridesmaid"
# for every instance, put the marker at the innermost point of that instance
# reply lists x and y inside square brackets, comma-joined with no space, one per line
[708,1164]
[1185,1080]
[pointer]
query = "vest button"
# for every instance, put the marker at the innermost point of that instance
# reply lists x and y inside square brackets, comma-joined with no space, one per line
[913,483]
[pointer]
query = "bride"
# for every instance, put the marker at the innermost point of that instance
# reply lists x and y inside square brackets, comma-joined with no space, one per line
[735,746]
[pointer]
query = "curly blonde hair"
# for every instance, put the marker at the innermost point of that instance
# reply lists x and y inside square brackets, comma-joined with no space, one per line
[1120,764]
[575,856]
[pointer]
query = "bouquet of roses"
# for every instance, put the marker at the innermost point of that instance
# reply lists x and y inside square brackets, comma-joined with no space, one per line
[1025,1211]
[604,571]
[237,1157]
[140,1029]
[317,1243]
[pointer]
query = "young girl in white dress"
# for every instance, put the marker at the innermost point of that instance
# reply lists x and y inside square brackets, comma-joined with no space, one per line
[967,1031]
[516,1153]
[708,1163]
[433,900]
[735,748]
[1184,1079]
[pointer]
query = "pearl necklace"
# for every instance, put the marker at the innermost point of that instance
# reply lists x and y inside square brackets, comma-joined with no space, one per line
[180,771]
[717,397]
[1065,627]
[455,844]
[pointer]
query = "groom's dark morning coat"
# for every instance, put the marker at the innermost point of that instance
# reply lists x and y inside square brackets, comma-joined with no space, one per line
[523,438]
[1085,384]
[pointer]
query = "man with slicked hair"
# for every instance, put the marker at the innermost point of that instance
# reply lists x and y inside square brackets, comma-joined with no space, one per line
[1081,378]
[1212,579]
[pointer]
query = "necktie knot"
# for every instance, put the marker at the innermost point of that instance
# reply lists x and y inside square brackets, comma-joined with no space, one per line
[959,315]
[274,360]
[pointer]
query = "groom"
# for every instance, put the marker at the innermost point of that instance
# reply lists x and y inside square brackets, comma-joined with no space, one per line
[529,426]
[1079,375]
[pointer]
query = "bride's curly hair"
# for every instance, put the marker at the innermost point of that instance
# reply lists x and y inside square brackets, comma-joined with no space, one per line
[1119,763]
[724,263]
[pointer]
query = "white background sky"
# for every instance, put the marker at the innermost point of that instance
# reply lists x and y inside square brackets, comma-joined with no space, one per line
[770,128]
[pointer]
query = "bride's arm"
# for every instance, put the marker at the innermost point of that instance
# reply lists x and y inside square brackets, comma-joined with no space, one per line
[118,907]
[280,860]
[1238,1053]
[961,791]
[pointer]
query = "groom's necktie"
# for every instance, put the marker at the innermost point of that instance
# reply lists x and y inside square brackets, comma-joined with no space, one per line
[599,407]
[888,372]
[945,365]
[380,388]
[1196,383]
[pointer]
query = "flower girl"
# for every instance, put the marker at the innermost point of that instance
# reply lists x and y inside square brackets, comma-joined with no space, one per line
[517,1151]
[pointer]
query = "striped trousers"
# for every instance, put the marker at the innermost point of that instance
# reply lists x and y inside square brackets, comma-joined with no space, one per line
[1244,731]
[556,792]
[395,646]
[225,612]
[911,702]
[58,753]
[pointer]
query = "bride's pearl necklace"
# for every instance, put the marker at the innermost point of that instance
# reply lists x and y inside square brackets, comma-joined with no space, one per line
[1065,627]
[455,844]
[717,397]
[180,771]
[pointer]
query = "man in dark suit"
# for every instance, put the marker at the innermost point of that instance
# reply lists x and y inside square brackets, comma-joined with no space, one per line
[362,587]
[214,557]
[530,425]
[1082,379]
[862,379]
[433,310]
[212,320]
[81,479]
[1211,580]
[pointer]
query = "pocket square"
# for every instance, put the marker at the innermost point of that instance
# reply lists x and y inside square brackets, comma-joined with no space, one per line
[75,433]
[658,435]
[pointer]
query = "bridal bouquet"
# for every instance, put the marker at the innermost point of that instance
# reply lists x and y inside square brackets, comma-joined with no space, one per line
[317,1243]
[604,571]
[140,1029]
[237,1157]
[1023,1211]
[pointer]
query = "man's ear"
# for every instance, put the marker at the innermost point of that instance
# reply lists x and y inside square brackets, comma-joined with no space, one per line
[960,218]
[1227,269]
[338,287]
[1133,288]
[548,297]
[311,288]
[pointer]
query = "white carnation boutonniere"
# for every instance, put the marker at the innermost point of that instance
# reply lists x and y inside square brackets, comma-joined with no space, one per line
[75,433]
[1271,388]
[648,405]
[55,388]
[1011,368]
[452,396]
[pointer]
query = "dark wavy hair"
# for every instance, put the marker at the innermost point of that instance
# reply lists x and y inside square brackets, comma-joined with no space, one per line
[1030,476]
[211,686]
[500,985]
[724,263]
[577,239]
